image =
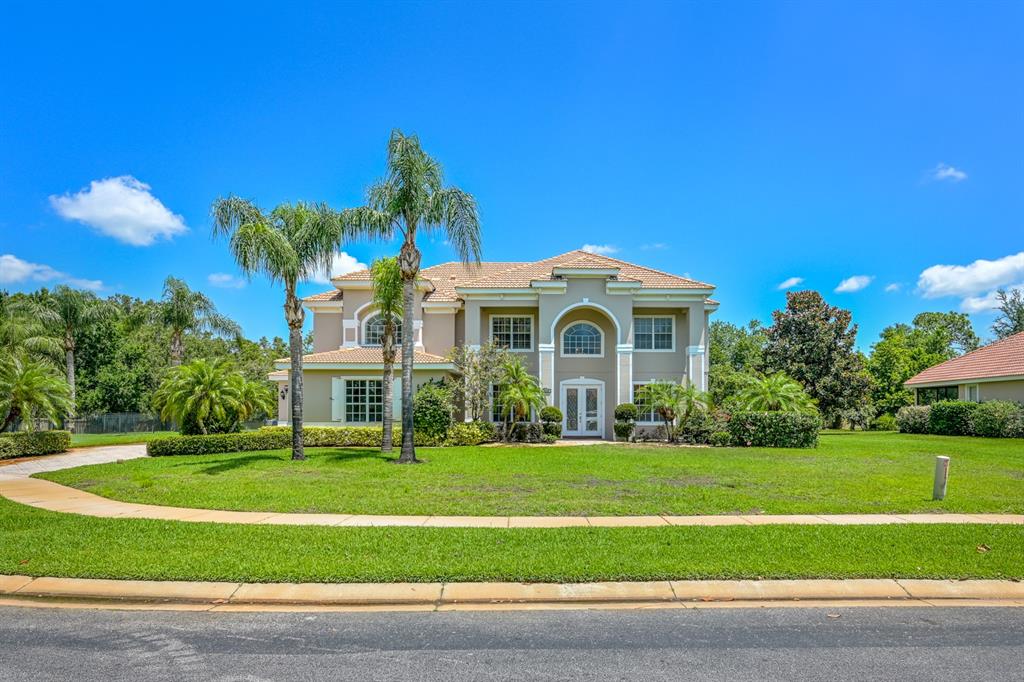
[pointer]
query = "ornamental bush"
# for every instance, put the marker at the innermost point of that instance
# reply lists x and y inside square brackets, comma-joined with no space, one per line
[550,414]
[721,439]
[774,429]
[998,419]
[522,432]
[432,410]
[700,424]
[951,418]
[884,422]
[626,412]
[914,418]
[29,443]
[469,433]
[623,430]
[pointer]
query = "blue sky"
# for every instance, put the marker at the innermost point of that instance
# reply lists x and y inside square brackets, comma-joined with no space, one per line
[743,144]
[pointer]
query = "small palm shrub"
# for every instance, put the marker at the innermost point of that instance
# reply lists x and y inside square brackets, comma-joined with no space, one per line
[774,393]
[951,418]
[914,418]
[206,397]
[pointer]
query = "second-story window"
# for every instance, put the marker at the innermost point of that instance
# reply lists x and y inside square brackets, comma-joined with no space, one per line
[375,331]
[581,338]
[653,332]
[514,332]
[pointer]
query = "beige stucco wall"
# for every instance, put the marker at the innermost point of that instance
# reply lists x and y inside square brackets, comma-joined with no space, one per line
[529,358]
[327,328]
[601,369]
[661,365]
[1001,390]
[439,333]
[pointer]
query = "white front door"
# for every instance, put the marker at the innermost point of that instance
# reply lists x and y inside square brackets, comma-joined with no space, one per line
[583,409]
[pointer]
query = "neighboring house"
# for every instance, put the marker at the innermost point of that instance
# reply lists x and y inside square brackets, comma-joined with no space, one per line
[592,329]
[993,372]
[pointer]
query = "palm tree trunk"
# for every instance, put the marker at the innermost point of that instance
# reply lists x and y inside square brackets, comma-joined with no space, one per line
[177,348]
[12,417]
[69,361]
[388,389]
[295,316]
[409,265]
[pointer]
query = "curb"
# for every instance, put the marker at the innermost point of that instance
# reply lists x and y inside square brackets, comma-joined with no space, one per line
[446,596]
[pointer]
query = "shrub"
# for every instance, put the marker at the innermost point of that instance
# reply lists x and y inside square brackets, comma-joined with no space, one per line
[626,412]
[775,429]
[548,438]
[552,429]
[624,430]
[550,415]
[432,410]
[884,422]
[913,418]
[998,419]
[488,431]
[951,418]
[522,432]
[721,439]
[29,443]
[700,424]
[469,433]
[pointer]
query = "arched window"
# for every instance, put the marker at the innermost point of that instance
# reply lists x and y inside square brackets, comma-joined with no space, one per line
[582,338]
[374,331]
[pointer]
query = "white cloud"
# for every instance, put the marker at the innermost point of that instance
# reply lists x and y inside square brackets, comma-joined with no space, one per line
[944,171]
[341,265]
[967,280]
[122,208]
[225,281]
[788,283]
[855,283]
[600,249]
[893,288]
[986,302]
[14,270]
[656,246]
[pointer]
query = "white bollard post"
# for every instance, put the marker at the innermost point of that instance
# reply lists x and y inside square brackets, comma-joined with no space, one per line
[941,477]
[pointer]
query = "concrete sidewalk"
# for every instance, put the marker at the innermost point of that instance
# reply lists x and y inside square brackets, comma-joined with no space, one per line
[16,486]
[448,596]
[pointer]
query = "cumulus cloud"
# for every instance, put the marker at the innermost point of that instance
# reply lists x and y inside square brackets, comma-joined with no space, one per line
[14,270]
[893,288]
[122,208]
[944,172]
[600,249]
[341,265]
[789,283]
[974,278]
[986,302]
[225,281]
[855,283]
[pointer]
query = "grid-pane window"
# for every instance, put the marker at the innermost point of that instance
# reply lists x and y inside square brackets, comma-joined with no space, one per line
[514,332]
[496,415]
[927,396]
[645,413]
[375,331]
[364,401]
[581,338]
[652,333]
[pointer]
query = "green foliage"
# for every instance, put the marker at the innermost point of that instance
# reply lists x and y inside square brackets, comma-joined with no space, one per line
[30,389]
[469,433]
[672,403]
[813,342]
[548,438]
[208,397]
[183,310]
[700,425]
[884,422]
[518,393]
[998,419]
[23,333]
[624,429]
[733,353]
[720,439]
[521,432]
[432,410]
[774,393]
[774,429]
[550,414]
[951,418]
[625,412]
[478,370]
[1011,313]
[25,444]
[914,418]
[552,428]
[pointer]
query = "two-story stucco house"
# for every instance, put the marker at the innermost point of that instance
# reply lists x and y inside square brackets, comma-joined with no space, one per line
[592,329]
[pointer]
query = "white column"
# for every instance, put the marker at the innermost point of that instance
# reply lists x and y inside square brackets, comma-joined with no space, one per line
[472,339]
[695,351]
[350,333]
[624,373]
[546,370]
[417,328]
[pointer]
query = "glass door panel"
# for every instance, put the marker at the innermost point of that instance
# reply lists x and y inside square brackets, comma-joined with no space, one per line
[590,417]
[572,409]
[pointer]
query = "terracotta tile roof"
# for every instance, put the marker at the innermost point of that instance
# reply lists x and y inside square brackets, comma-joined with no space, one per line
[332,295]
[999,359]
[361,356]
[278,375]
[522,275]
[444,277]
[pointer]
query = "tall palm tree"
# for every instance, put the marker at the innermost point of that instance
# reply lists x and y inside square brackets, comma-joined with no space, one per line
[775,393]
[184,310]
[29,388]
[411,196]
[518,393]
[289,244]
[207,397]
[673,403]
[23,332]
[69,313]
[387,299]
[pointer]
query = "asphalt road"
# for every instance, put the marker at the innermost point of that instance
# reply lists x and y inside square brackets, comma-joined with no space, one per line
[724,644]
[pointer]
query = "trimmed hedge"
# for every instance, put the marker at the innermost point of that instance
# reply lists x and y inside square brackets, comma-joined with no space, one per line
[884,422]
[30,443]
[913,418]
[998,419]
[952,418]
[774,429]
[523,432]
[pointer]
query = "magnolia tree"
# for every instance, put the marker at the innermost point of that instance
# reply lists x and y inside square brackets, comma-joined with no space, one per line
[479,369]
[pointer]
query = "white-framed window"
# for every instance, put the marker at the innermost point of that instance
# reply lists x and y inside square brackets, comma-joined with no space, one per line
[655,333]
[373,331]
[645,415]
[583,339]
[514,332]
[973,393]
[496,415]
[364,401]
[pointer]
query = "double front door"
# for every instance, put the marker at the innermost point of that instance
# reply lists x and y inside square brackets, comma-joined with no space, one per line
[583,409]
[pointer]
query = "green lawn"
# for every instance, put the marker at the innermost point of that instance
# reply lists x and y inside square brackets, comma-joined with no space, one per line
[848,473]
[37,542]
[83,440]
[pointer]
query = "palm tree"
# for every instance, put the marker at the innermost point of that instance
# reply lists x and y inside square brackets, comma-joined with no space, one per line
[69,313]
[775,393]
[518,393]
[208,397]
[412,196]
[29,388]
[183,310]
[672,402]
[290,244]
[387,299]
[22,331]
